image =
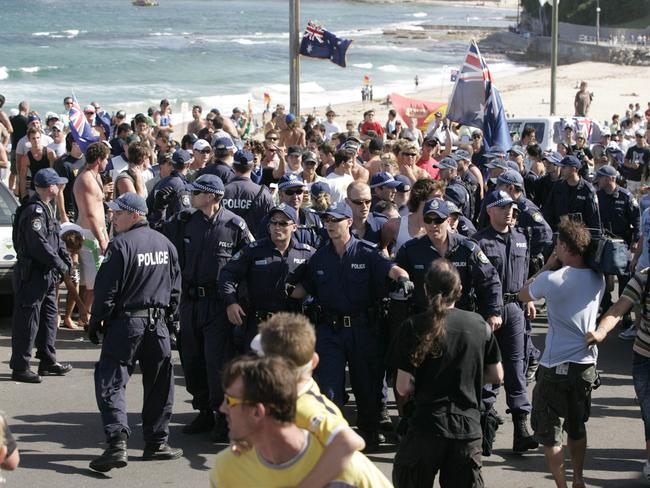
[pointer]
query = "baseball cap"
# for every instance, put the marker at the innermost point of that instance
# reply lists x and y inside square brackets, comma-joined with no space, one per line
[223,144]
[290,212]
[498,198]
[495,152]
[89,109]
[120,114]
[570,161]
[289,118]
[294,150]
[318,188]
[200,145]
[607,171]
[375,144]
[309,156]
[456,193]
[58,125]
[340,211]
[209,184]
[453,208]
[517,150]
[498,163]
[511,177]
[129,202]
[462,155]
[243,158]
[404,184]
[447,163]
[181,157]
[290,181]
[436,206]
[237,110]
[48,176]
[33,118]
[132,138]
[552,157]
[512,165]
[640,133]
[431,142]
[51,115]
[383,178]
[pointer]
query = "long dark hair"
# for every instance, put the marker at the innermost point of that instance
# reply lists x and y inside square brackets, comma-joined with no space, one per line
[443,286]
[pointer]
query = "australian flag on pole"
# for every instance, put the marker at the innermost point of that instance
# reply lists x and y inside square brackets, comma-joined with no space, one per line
[477,103]
[320,43]
[79,126]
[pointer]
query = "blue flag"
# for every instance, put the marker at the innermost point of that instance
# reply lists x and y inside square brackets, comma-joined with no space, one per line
[79,126]
[320,43]
[477,103]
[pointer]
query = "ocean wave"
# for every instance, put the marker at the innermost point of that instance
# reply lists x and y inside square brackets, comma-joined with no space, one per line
[363,65]
[354,33]
[157,34]
[40,34]
[420,14]
[4,73]
[30,69]
[389,68]
[244,41]
[72,33]
[63,34]
[390,47]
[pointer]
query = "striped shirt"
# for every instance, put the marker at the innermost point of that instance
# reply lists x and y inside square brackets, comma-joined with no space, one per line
[634,292]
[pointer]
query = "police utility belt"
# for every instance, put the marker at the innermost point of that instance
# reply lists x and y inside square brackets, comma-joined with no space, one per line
[153,315]
[511,298]
[198,292]
[338,321]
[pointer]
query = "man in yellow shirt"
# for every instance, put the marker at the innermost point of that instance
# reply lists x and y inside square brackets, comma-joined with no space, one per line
[260,405]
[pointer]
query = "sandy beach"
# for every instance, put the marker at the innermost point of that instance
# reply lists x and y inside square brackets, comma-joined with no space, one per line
[529,93]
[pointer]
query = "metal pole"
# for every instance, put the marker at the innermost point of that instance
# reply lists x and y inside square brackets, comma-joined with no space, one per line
[597,22]
[554,35]
[294,57]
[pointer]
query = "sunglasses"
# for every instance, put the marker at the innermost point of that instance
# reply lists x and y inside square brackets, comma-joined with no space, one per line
[309,162]
[477,137]
[281,223]
[271,138]
[328,219]
[233,402]
[205,151]
[290,192]
[197,192]
[410,155]
[361,202]
[433,220]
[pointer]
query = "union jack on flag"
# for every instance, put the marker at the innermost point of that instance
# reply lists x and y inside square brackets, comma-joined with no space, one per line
[79,126]
[314,32]
[476,102]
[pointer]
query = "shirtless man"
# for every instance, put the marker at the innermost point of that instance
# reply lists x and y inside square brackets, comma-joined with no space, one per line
[89,195]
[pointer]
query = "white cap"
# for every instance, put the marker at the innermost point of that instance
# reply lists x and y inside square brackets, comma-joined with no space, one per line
[200,145]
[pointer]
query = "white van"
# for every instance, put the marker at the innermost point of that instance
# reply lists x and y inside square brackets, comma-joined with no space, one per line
[549,130]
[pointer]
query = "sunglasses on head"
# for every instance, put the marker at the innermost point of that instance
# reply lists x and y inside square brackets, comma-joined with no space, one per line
[281,223]
[328,219]
[428,219]
[293,191]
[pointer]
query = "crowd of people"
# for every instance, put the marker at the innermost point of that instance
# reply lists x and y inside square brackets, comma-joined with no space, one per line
[413,260]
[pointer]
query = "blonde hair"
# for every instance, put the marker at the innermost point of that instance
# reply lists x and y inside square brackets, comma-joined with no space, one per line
[290,336]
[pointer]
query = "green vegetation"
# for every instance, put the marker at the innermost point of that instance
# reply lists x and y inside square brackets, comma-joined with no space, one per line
[628,13]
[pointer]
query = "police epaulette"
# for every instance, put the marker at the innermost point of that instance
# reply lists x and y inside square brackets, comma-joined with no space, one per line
[239,222]
[302,246]
[469,244]
[368,243]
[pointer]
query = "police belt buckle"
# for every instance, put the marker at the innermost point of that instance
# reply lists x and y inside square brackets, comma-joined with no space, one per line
[200,291]
[347,321]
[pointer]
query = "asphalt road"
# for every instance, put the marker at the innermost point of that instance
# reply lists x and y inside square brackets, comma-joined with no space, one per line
[59,431]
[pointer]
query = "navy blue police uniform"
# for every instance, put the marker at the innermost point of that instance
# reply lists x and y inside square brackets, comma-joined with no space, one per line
[347,290]
[137,287]
[264,272]
[579,202]
[374,223]
[180,199]
[481,285]
[42,260]
[205,245]
[244,197]
[620,214]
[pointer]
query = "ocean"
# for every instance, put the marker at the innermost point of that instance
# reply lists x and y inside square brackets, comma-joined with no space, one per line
[218,53]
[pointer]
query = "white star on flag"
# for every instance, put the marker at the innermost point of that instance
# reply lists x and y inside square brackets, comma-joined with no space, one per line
[310,48]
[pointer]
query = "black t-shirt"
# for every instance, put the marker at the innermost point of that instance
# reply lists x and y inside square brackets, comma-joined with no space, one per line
[448,388]
[636,154]
[19,124]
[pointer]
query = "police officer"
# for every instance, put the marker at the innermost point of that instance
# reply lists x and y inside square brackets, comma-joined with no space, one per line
[544,184]
[507,249]
[347,278]
[574,196]
[481,285]
[206,237]
[366,224]
[42,260]
[137,287]
[171,194]
[471,178]
[224,149]
[243,197]
[267,269]
[291,189]
[449,174]
[458,222]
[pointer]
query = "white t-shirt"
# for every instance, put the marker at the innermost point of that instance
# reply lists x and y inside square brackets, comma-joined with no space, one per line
[338,187]
[59,149]
[23,145]
[331,128]
[572,299]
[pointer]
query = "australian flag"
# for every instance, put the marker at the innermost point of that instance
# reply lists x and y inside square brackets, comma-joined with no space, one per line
[477,103]
[79,126]
[320,43]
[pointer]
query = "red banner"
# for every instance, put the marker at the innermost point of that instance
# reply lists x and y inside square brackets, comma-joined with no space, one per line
[409,108]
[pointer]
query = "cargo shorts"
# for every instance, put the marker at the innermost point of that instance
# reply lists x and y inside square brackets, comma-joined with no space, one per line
[558,397]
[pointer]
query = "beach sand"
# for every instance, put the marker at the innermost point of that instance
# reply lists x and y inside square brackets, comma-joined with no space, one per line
[528,94]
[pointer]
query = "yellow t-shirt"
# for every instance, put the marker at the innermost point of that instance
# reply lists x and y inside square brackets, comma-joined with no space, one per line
[317,414]
[249,470]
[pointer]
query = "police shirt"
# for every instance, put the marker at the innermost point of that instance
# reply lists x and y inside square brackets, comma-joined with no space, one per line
[530,218]
[620,214]
[310,230]
[465,227]
[530,184]
[179,183]
[350,284]
[219,168]
[579,200]
[140,270]
[477,274]
[248,200]
[508,253]
[543,186]
[373,226]
[473,190]
[265,271]
[465,205]
[205,244]
[37,237]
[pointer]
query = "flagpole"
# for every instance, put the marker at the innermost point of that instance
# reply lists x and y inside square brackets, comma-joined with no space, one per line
[554,35]
[294,57]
